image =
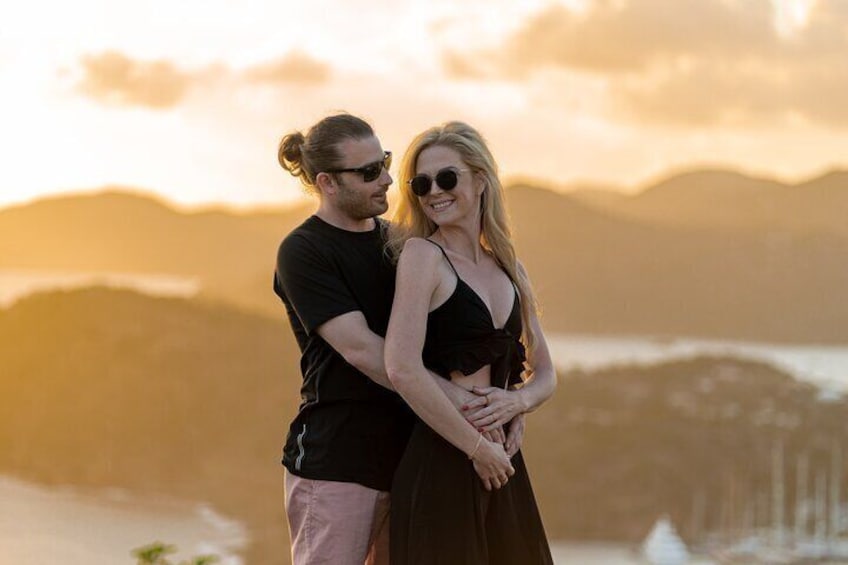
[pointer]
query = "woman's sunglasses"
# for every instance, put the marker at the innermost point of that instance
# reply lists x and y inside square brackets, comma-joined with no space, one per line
[371,171]
[446,179]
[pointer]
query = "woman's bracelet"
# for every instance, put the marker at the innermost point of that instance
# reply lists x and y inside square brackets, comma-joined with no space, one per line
[476,446]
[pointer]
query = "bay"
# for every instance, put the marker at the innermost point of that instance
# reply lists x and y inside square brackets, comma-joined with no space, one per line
[18,283]
[41,525]
[824,365]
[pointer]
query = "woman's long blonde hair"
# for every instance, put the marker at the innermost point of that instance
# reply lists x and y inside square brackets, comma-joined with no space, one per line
[411,221]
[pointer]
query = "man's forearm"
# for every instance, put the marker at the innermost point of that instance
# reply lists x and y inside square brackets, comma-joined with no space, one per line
[369,360]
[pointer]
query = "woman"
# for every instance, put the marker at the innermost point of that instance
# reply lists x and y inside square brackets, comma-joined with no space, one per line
[464,309]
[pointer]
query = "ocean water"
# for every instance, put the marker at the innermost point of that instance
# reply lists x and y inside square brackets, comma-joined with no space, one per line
[40,525]
[576,553]
[825,366]
[16,284]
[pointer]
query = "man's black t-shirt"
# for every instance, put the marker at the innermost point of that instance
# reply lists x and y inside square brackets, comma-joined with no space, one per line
[348,428]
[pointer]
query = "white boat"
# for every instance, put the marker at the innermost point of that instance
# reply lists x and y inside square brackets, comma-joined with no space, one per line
[663,546]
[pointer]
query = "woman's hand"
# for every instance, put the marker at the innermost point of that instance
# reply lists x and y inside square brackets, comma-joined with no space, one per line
[461,398]
[493,408]
[496,435]
[492,464]
[515,437]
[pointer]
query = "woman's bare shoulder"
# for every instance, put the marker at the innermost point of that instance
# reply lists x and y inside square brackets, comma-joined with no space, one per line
[419,249]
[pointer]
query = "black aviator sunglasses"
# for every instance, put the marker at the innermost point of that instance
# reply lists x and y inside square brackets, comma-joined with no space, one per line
[371,171]
[446,179]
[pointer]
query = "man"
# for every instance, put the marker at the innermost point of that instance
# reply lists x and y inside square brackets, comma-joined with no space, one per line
[337,285]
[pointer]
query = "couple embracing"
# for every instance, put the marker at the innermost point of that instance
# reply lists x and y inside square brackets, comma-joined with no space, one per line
[421,353]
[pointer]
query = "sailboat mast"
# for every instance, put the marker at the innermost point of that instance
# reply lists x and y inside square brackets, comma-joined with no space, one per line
[777,492]
[801,498]
[835,480]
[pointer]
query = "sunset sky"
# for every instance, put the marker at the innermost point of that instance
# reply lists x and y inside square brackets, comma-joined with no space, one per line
[188,99]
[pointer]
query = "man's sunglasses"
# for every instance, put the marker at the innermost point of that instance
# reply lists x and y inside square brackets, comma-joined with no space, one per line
[371,171]
[446,179]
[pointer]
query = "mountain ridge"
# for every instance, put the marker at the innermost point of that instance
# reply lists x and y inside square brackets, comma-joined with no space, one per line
[597,269]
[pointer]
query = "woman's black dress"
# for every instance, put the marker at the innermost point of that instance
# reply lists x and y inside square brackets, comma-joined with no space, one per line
[441,513]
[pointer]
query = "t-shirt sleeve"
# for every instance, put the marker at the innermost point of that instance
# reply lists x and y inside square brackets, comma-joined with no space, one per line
[313,285]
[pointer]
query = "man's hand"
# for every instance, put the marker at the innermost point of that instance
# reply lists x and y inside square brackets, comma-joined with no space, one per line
[515,437]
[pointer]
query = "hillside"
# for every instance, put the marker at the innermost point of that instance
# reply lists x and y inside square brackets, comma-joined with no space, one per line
[110,388]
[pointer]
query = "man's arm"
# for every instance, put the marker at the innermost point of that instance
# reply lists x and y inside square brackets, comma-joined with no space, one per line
[351,337]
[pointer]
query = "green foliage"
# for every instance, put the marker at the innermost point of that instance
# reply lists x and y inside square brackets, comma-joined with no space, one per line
[154,554]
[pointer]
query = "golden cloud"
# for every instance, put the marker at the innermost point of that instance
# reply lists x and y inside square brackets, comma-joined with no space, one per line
[713,94]
[696,62]
[114,78]
[616,37]
[296,67]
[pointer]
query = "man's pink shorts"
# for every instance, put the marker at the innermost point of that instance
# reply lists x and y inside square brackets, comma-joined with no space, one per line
[336,523]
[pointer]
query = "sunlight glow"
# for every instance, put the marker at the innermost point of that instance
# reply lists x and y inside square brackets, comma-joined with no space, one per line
[245,75]
[790,16]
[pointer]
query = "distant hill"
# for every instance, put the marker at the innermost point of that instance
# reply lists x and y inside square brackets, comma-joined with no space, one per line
[600,273]
[723,199]
[110,388]
[601,198]
[602,269]
[127,232]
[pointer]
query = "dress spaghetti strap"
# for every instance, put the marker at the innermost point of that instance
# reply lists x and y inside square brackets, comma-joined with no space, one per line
[442,249]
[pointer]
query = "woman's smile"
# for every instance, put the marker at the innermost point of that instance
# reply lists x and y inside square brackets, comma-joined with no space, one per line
[441,205]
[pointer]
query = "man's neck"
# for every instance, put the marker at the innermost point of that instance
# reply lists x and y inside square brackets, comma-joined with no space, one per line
[344,222]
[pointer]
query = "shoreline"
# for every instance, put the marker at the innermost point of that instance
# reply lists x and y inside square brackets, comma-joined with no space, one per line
[101,526]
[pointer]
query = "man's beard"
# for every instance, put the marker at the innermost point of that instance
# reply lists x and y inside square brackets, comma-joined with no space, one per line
[358,205]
